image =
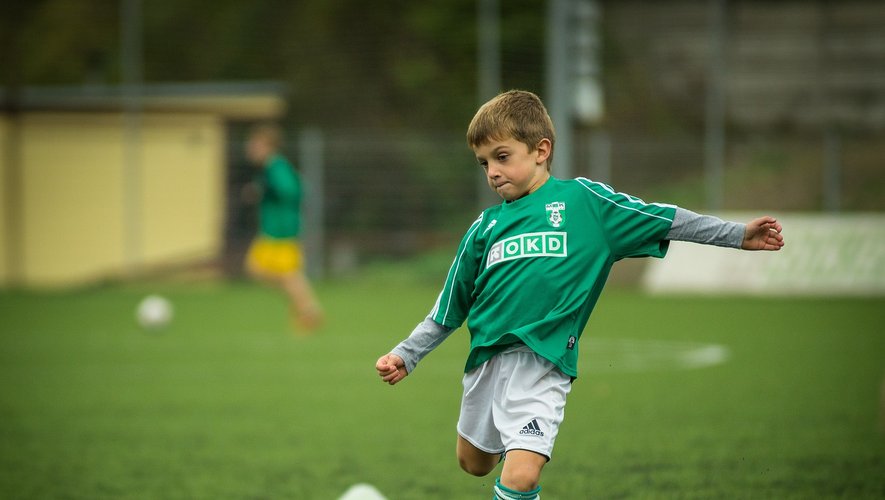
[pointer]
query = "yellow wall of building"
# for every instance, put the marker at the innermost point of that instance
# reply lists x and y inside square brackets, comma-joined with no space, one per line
[83,219]
[72,198]
[182,188]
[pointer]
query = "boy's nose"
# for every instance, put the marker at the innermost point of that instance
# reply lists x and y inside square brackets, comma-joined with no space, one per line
[492,171]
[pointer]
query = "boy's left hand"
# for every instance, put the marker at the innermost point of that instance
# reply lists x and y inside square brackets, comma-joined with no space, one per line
[391,368]
[763,233]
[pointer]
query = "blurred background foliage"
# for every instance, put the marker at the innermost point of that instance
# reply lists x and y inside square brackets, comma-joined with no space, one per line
[392,86]
[348,63]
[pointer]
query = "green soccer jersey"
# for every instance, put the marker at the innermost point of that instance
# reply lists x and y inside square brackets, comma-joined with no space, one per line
[280,210]
[531,270]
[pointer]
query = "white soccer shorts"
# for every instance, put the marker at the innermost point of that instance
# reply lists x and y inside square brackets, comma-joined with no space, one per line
[514,401]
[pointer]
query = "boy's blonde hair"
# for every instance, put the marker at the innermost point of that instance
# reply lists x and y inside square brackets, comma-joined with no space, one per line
[516,114]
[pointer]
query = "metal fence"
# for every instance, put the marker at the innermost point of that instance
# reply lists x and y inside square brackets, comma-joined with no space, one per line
[802,99]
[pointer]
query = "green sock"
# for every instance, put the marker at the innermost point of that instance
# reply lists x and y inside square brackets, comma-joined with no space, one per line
[504,493]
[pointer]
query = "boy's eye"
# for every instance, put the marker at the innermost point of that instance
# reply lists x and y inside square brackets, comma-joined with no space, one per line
[484,165]
[502,157]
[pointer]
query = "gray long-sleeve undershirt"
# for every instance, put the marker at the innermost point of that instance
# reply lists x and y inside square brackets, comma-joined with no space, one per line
[687,226]
[705,229]
[424,338]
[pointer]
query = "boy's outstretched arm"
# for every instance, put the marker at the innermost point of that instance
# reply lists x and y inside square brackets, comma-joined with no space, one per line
[401,361]
[763,233]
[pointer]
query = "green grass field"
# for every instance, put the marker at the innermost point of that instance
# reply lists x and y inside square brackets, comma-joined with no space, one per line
[226,404]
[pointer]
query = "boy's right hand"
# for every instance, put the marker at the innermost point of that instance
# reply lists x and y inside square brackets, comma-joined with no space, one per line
[763,233]
[391,368]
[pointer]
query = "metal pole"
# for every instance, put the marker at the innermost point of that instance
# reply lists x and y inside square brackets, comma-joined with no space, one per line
[589,106]
[11,31]
[714,126]
[560,91]
[311,161]
[832,137]
[586,72]
[488,27]
[489,32]
[131,90]
[832,178]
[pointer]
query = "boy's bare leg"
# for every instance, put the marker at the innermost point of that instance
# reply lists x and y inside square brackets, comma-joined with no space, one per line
[303,300]
[522,470]
[257,273]
[475,461]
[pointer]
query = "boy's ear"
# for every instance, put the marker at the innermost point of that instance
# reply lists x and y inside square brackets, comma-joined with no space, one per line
[542,150]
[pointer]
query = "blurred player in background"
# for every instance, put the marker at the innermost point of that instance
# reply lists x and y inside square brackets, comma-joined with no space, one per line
[526,276]
[275,255]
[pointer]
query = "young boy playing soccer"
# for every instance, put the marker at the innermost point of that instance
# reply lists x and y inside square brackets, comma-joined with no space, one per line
[526,277]
[275,255]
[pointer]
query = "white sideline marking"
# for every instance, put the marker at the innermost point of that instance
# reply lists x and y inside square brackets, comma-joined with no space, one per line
[362,491]
[632,355]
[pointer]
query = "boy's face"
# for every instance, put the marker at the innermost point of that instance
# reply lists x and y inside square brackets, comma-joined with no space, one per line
[258,150]
[511,169]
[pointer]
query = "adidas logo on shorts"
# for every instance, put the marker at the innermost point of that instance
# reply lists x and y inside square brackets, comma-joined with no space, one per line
[532,429]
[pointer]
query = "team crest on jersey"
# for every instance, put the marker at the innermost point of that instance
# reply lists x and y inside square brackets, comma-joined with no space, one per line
[555,216]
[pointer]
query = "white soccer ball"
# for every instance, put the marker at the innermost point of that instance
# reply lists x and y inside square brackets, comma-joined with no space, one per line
[362,491]
[154,312]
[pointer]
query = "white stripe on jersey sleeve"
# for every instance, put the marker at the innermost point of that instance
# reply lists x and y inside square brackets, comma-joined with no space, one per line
[453,270]
[631,199]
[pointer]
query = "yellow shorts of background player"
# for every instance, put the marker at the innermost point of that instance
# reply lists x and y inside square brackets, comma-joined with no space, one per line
[275,257]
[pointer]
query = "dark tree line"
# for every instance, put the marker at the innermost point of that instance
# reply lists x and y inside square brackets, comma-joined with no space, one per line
[348,63]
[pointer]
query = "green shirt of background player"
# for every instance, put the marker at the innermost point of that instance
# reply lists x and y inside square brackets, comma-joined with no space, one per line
[280,208]
[275,255]
[526,277]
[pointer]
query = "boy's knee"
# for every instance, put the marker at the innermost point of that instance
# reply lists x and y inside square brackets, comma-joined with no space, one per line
[476,467]
[473,460]
[253,270]
[522,479]
[522,470]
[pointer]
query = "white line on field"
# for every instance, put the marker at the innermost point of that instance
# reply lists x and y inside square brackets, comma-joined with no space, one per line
[633,355]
